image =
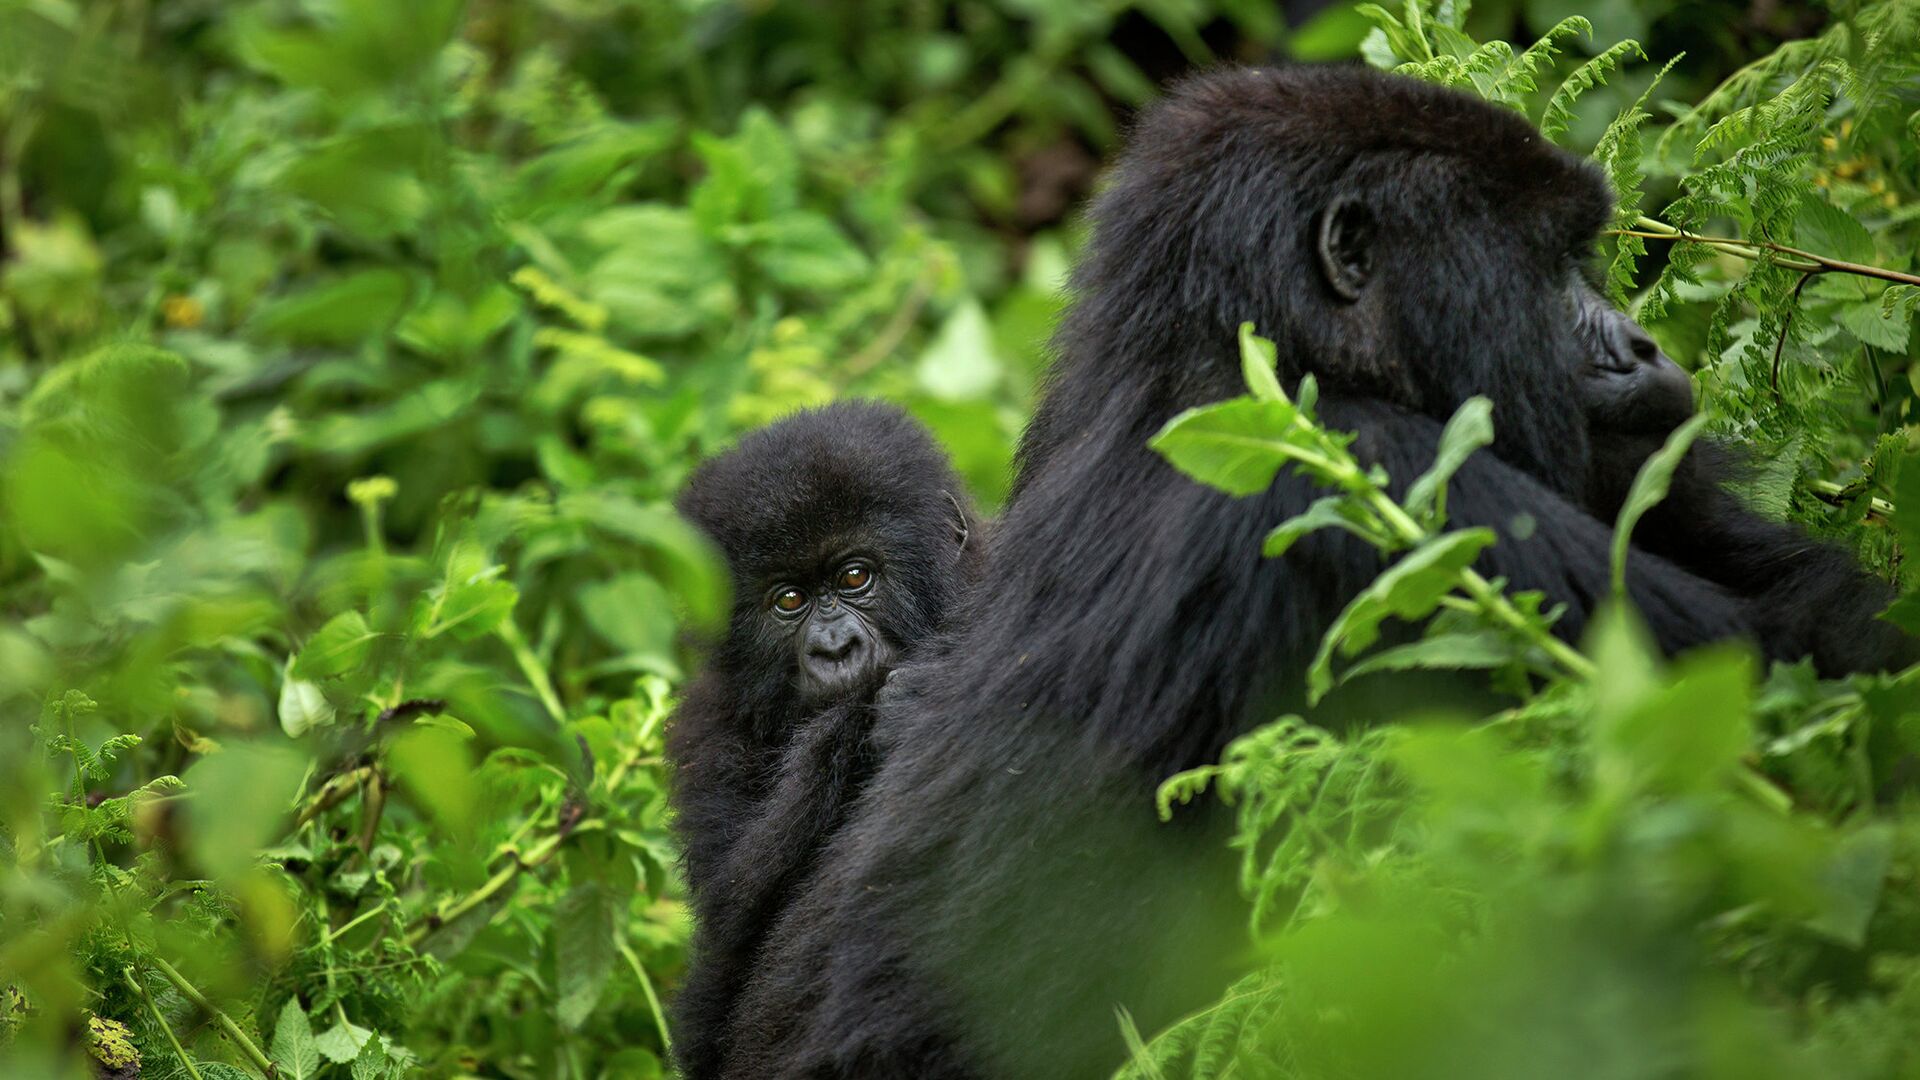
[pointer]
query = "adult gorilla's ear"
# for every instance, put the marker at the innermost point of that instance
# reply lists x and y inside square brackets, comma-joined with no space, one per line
[1345,246]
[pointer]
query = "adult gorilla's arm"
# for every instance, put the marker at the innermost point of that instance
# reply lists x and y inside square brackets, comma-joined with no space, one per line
[1566,553]
[823,769]
[1806,597]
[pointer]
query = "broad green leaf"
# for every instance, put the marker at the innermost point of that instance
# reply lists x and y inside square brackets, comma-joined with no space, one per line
[1259,364]
[336,648]
[1339,511]
[804,250]
[1469,429]
[1236,446]
[1825,229]
[1650,486]
[584,949]
[1851,884]
[1711,691]
[302,706]
[342,1042]
[294,1049]
[435,766]
[1409,589]
[1445,652]
[961,363]
[371,1063]
[241,797]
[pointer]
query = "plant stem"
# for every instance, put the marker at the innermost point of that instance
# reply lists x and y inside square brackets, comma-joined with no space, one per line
[1808,261]
[530,667]
[192,993]
[173,1040]
[653,999]
[503,877]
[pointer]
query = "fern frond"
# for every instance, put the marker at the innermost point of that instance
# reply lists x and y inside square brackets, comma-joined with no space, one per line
[1559,112]
[1518,80]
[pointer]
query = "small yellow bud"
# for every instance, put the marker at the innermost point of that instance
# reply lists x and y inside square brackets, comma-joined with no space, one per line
[182,312]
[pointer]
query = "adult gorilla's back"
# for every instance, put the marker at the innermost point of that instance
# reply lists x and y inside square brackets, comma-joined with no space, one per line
[1004,885]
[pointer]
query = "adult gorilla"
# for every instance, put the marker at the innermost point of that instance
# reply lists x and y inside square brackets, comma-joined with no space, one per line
[1004,884]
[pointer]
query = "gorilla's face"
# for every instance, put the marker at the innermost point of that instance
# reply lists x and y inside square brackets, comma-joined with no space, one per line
[830,619]
[1627,385]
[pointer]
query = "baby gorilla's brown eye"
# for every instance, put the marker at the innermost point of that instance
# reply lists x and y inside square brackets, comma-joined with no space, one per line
[855,576]
[789,600]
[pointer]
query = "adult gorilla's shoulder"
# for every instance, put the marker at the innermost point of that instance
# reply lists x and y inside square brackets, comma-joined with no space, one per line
[1004,885]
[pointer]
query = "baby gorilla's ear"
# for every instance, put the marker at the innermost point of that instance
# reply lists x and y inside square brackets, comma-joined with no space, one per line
[962,522]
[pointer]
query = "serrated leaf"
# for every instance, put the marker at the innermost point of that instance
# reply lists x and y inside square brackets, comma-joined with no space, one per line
[294,1049]
[371,1062]
[336,648]
[342,1042]
[1825,229]
[583,951]
[1409,589]
[1469,429]
[1650,486]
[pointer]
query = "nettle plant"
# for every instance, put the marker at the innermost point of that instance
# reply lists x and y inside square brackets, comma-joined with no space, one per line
[1690,867]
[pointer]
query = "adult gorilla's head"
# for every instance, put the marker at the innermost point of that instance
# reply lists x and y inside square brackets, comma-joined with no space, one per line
[845,531]
[1399,242]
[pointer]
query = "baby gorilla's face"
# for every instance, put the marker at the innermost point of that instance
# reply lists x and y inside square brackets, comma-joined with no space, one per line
[831,620]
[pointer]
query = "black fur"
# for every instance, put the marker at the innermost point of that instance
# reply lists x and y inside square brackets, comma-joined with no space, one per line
[765,762]
[1003,884]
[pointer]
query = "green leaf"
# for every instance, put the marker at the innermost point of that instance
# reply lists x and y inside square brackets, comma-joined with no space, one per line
[961,363]
[1339,511]
[1851,884]
[1825,229]
[302,706]
[803,250]
[1236,446]
[1650,486]
[294,1049]
[1469,429]
[337,648]
[342,1042]
[1259,363]
[371,1063]
[1445,652]
[584,949]
[1409,589]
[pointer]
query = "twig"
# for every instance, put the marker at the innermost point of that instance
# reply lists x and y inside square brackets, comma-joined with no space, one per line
[530,666]
[890,335]
[173,1040]
[1808,261]
[1786,324]
[332,794]
[653,999]
[503,877]
[192,993]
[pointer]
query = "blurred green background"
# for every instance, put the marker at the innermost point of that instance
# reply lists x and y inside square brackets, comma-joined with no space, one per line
[350,352]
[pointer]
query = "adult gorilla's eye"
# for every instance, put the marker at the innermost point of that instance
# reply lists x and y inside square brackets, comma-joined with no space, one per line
[788,601]
[855,577]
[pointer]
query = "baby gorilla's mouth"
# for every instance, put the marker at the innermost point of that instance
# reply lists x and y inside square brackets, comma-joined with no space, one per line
[856,672]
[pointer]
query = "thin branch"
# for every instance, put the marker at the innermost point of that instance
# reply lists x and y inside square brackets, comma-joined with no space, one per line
[173,1040]
[1802,260]
[193,994]
[890,335]
[1786,324]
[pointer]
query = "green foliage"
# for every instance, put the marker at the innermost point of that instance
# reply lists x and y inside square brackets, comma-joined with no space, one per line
[351,352]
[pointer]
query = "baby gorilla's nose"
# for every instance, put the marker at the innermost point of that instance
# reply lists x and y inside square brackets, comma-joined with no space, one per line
[834,642]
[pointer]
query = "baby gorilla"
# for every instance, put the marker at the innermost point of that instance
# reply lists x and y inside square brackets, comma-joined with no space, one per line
[848,540]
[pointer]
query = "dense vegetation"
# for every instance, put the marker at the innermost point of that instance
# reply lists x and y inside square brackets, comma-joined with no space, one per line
[349,351]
